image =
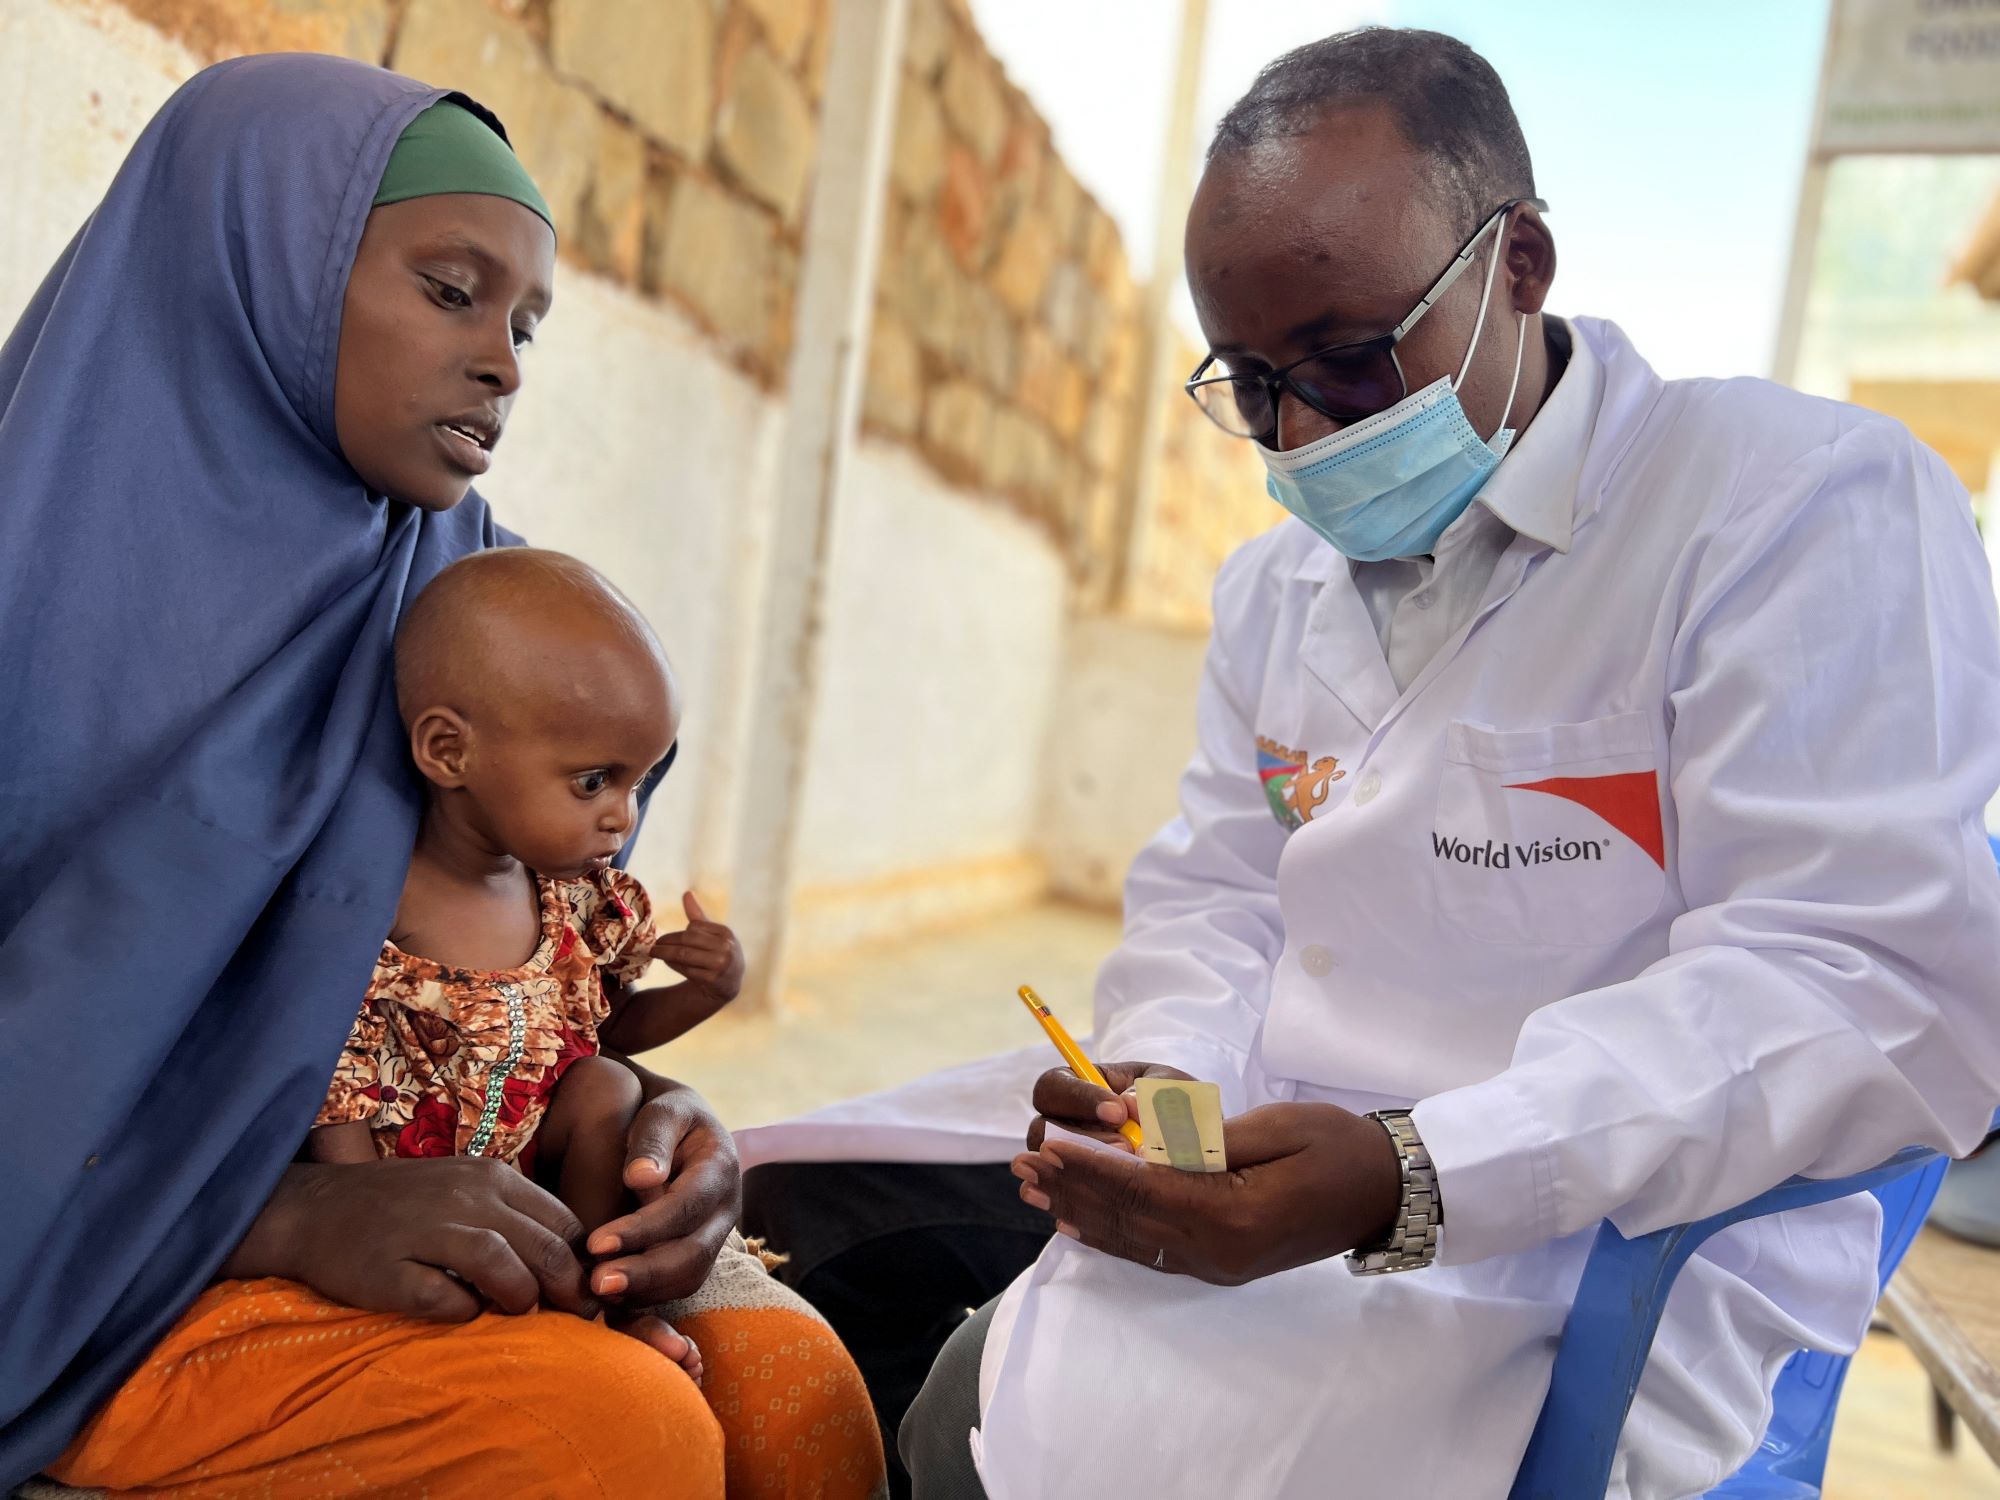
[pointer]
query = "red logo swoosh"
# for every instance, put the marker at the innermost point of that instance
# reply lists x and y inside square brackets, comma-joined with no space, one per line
[1628,801]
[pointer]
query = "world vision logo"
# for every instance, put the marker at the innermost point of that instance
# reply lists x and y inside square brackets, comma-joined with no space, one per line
[1629,801]
[1498,856]
[1294,783]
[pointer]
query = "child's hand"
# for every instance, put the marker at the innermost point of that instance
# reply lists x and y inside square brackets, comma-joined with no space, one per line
[706,954]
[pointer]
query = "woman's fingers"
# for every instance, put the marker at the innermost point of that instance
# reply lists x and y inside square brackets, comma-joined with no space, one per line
[515,1245]
[420,1290]
[663,1272]
[532,1201]
[543,1234]
[675,1131]
[484,1260]
[684,1165]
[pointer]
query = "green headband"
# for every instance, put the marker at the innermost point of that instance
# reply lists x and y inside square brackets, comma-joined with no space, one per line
[449,149]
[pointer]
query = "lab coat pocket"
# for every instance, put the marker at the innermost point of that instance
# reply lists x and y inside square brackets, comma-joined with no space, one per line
[1549,837]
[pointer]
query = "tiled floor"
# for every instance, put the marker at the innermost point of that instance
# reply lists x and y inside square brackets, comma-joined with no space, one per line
[895,1012]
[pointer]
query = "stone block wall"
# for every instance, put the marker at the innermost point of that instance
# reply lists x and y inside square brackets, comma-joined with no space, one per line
[1211,500]
[1005,336]
[676,139]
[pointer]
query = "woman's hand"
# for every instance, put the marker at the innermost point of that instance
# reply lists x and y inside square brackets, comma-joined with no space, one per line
[682,1165]
[1066,1100]
[1305,1182]
[436,1238]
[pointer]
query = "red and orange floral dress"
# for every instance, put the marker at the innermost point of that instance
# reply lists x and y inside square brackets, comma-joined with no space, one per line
[461,1062]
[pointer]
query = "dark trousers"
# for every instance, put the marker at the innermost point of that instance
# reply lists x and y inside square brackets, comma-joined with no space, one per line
[895,1255]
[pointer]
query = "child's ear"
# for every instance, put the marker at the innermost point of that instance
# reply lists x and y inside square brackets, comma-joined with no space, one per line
[440,741]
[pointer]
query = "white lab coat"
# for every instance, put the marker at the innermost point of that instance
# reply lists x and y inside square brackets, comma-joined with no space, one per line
[1663,881]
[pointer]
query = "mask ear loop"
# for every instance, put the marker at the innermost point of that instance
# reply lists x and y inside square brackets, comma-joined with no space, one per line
[1479,327]
[1520,348]
[1479,322]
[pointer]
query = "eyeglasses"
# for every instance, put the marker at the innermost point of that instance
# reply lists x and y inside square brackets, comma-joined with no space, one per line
[1346,382]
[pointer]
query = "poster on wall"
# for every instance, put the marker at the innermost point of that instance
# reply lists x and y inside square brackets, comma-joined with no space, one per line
[1912,75]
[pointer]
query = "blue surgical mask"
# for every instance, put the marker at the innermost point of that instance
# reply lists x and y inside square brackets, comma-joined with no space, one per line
[1389,486]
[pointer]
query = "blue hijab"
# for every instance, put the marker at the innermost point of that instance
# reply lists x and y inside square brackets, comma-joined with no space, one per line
[205,808]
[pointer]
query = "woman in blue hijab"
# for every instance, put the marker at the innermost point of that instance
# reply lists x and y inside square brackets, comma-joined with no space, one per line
[239,423]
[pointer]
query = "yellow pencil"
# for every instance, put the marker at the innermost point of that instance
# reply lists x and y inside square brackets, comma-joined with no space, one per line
[1073,1055]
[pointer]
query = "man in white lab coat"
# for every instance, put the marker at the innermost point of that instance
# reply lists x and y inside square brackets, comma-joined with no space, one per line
[1586,824]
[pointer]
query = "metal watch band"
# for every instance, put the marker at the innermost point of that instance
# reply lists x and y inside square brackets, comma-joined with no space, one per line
[1412,1241]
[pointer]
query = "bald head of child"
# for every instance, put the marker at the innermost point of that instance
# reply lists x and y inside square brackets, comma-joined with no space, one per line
[538,702]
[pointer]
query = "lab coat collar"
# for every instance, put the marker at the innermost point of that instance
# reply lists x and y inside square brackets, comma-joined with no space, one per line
[1534,490]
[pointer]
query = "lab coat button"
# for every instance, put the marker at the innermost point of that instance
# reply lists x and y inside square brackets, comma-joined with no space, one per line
[1316,961]
[1366,788]
[1423,600]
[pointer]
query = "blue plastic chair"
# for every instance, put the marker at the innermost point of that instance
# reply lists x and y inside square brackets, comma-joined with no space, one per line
[1617,1310]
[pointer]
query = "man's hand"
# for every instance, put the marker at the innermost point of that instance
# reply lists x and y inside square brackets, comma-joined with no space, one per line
[1066,1100]
[682,1165]
[705,953]
[439,1238]
[1305,1182]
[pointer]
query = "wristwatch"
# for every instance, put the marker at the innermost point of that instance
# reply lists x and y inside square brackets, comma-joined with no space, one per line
[1413,1237]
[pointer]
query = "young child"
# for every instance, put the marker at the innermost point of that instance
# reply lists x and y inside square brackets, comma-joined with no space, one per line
[539,707]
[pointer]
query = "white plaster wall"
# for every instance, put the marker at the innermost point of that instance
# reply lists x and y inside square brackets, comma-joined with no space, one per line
[1121,734]
[637,449]
[78,82]
[941,654]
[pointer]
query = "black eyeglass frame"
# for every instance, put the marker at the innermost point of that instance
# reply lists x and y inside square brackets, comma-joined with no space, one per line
[1279,380]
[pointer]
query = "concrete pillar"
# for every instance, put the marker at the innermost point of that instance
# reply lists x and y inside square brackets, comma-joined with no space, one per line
[823,387]
[1157,377]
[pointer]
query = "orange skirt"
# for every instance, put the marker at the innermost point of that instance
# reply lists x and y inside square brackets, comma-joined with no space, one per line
[266,1388]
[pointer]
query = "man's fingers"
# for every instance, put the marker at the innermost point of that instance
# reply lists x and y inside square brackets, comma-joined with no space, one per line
[1121,1245]
[1115,1194]
[1259,1135]
[1096,1130]
[1061,1095]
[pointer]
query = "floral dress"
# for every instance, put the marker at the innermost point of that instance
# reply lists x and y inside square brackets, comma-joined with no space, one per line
[461,1062]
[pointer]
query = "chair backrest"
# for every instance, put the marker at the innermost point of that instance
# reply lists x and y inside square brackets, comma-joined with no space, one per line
[1610,1328]
[1792,1457]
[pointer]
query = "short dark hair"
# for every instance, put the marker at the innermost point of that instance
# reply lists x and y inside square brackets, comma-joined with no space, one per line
[1446,99]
